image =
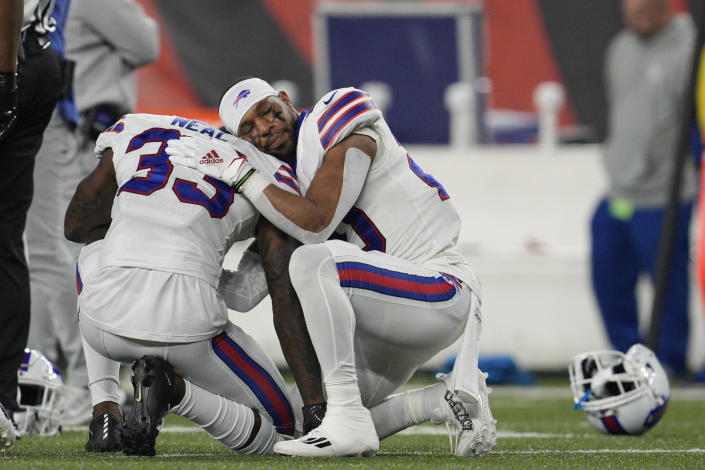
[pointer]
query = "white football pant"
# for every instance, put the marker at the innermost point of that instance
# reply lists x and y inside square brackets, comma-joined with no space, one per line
[374,318]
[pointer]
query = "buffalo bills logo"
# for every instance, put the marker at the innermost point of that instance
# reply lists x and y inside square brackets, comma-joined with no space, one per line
[656,414]
[243,94]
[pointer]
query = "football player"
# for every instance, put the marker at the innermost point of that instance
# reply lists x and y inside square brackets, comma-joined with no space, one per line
[382,285]
[151,290]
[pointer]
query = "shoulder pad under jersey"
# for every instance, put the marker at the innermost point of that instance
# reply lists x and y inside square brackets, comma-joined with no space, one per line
[340,112]
[130,124]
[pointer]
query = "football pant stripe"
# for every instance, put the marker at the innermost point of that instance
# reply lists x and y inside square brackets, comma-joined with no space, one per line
[257,379]
[397,284]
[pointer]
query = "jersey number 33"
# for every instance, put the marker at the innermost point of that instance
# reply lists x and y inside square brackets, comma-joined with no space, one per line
[159,170]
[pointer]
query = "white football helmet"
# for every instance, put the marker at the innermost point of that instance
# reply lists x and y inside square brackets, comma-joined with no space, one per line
[40,391]
[620,393]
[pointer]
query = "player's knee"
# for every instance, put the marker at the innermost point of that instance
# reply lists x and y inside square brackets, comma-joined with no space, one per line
[308,261]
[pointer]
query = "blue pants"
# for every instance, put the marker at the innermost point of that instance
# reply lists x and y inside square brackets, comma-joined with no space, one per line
[621,251]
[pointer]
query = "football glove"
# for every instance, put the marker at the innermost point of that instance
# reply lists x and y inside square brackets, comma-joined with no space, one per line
[8,102]
[213,158]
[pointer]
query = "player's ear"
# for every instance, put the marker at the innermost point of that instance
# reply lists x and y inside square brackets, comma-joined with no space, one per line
[284,97]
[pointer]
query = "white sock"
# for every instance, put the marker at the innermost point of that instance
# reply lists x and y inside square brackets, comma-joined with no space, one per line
[103,376]
[344,395]
[465,374]
[227,421]
[398,412]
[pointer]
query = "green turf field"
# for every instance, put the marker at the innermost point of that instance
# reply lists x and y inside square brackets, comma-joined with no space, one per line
[537,428]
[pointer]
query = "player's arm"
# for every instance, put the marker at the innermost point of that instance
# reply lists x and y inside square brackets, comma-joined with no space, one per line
[276,249]
[88,214]
[333,191]
[310,219]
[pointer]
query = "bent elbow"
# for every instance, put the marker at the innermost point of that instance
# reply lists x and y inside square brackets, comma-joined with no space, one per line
[317,230]
[311,238]
[71,233]
[74,231]
[151,53]
[150,48]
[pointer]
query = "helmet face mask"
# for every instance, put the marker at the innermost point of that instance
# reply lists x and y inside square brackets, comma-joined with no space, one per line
[40,393]
[620,393]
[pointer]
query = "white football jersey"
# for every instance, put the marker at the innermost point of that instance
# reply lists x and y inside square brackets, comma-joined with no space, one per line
[169,217]
[401,210]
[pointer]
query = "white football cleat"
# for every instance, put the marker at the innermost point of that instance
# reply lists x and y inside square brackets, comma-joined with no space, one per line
[344,432]
[7,430]
[475,428]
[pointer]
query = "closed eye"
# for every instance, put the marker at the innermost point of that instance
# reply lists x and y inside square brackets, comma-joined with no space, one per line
[245,129]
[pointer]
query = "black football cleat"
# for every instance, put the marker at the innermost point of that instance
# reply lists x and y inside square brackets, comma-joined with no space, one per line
[153,384]
[105,434]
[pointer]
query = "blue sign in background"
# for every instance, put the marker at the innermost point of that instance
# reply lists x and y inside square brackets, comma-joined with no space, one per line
[416,56]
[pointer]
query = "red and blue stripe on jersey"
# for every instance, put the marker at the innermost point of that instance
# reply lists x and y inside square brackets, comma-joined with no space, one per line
[117,127]
[79,284]
[287,176]
[257,379]
[343,111]
[398,284]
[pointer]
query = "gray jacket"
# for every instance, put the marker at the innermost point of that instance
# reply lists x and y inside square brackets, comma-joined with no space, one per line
[646,84]
[108,40]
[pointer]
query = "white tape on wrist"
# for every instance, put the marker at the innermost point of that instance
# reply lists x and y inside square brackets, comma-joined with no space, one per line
[254,185]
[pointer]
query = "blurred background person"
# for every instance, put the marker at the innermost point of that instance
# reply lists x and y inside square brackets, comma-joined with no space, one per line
[59,141]
[647,67]
[107,40]
[30,79]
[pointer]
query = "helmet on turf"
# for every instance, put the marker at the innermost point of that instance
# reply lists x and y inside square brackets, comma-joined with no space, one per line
[41,387]
[620,393]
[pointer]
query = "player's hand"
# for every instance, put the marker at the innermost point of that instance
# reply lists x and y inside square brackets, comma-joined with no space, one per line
[8,102]
[211,157]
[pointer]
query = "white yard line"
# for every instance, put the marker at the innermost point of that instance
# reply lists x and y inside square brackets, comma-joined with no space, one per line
[601,451]
[432,430]
[564,452]
[695,392]
[428,430]
[420,430]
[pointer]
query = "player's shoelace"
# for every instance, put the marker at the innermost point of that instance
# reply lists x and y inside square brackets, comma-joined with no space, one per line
[462,417]
[480,430]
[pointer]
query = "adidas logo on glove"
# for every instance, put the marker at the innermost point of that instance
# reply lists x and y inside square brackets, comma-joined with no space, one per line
[211,158]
